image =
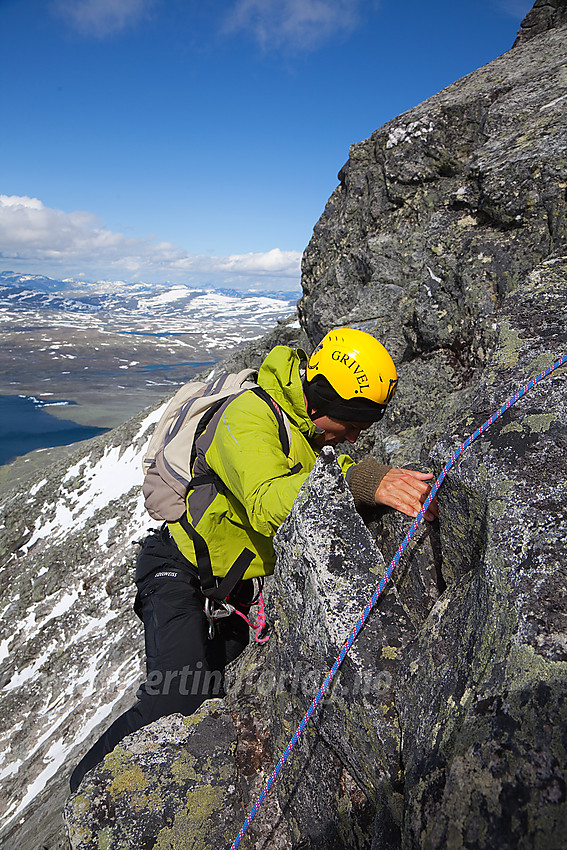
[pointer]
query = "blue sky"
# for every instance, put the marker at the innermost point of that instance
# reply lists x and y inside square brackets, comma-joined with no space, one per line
[175,140]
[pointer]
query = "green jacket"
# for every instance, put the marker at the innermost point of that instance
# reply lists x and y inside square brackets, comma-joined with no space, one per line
[242,446]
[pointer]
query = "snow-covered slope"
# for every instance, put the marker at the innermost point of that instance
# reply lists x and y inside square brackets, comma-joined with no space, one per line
[70,648]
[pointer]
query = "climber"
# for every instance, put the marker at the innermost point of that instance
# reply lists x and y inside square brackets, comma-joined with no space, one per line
[247,485]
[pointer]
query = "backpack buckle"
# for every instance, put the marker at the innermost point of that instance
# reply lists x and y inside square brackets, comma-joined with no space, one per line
[216,611]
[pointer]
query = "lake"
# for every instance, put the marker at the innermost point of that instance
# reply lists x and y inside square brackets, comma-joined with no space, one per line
[26,424]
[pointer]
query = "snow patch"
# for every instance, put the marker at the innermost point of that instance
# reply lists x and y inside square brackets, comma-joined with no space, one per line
[553,102]
[434,276]
[4,651]
[37,487]
[105,529]
[28,672]
[110,478]
[415,130]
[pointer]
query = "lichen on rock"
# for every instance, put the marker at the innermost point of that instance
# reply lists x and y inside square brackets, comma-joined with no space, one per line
[171,785]
[447,239]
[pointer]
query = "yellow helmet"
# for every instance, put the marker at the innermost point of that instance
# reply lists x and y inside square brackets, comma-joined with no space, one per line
[350,375]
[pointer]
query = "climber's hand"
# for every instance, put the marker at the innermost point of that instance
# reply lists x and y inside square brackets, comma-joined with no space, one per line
[406,490]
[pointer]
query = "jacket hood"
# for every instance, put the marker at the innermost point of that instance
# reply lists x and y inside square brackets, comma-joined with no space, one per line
[279,376]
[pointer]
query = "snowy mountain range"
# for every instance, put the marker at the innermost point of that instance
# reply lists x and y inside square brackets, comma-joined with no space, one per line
[158,308]
[112,349]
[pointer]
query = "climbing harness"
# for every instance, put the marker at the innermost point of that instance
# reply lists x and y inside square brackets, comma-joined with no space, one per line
[220,610]
[374,598]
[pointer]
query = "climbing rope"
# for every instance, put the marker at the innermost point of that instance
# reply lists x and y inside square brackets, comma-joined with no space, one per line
[259,626]
[374,598]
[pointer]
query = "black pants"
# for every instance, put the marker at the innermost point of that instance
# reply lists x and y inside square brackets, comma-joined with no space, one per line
[184,665]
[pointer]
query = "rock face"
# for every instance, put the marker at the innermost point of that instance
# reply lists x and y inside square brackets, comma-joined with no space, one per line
[438,215]
[174,780]
[447,240]
[482,690]
[68,650]
[545,15]
[445,727]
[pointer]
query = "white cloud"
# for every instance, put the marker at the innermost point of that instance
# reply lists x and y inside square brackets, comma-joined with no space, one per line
[516,8]
[30,229]
[102,17]
[296,24]
[77,243]
[289,24]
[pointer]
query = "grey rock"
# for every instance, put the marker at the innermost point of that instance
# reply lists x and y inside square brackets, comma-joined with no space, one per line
[438,215]
[482,690]
[447,240]
[171,785]
[545,15]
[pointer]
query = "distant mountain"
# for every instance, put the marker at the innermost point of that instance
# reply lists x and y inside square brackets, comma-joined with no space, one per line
[119,300]
[113,348]
[35,281]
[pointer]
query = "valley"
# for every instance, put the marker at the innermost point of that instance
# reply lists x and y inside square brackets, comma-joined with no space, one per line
[111,349]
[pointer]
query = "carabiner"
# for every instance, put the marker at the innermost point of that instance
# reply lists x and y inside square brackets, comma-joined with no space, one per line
[216,611]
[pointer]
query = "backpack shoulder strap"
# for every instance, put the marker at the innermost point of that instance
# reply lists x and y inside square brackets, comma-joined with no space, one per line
[284,432]
[211,586]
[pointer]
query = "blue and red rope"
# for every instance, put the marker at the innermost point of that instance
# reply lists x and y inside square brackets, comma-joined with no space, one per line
[377,593]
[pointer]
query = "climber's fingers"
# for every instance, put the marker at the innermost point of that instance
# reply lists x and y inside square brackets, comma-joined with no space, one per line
[406,490]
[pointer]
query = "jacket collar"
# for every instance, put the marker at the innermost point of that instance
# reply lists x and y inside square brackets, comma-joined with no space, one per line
[279,376]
